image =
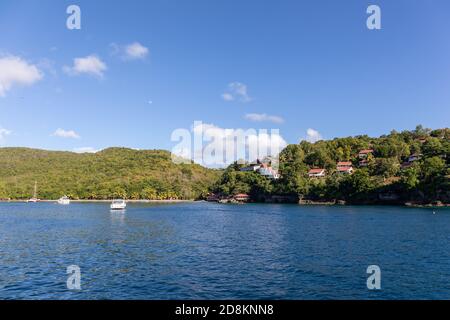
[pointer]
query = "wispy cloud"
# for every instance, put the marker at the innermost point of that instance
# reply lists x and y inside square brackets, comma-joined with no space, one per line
[3,133]
[263,117]
[136,51]
[85,150]
[132,51]
[227,97]
[236,91]
[66,134]
[48,66]
[313,135]
[16,71]
[91,65]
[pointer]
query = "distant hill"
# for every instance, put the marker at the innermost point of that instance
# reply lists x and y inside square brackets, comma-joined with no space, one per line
[111,173]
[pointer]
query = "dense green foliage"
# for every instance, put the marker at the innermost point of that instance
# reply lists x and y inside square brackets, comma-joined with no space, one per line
[151,174]
[425,180]
[111,173]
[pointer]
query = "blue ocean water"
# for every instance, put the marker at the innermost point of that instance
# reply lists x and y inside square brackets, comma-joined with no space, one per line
[215,251]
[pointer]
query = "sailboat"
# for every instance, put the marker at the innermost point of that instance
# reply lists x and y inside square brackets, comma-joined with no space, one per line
[34,199]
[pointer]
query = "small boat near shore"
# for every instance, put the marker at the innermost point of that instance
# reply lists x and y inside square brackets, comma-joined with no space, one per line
[64,200]
[118,204]
[34,199]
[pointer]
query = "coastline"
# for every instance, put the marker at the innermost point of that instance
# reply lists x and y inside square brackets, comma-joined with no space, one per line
[301,203]
[341,203]
[103,201]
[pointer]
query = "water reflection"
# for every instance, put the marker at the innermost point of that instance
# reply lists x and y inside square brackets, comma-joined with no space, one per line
[117,216]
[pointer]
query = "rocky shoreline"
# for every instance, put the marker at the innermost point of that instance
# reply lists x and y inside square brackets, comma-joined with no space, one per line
[309,202]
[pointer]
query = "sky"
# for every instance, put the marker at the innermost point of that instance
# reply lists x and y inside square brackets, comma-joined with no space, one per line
[138,70]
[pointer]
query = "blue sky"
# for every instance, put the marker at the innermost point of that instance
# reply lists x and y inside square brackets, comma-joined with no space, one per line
[292,65]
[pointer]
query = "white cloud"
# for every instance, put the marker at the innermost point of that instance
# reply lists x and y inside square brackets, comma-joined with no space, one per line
[313,135]
[85,150]
[66,134]
[236,91]
[15,71]
[91,65]
[260,117]
[227,97]
[133,51]
[229,145]
[3,133]
[136,51]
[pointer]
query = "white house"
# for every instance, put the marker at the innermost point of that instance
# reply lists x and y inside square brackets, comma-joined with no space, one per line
[268,172]
[345,170]
[344,167]
[263,169]
[316,173]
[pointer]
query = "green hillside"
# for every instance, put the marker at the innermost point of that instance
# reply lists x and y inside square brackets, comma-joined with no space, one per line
[111,173]
[386,175]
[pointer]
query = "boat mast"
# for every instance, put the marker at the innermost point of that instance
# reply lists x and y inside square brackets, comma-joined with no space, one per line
[35,190]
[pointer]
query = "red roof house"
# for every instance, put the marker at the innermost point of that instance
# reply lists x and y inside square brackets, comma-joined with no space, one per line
[316,173]
[363,153]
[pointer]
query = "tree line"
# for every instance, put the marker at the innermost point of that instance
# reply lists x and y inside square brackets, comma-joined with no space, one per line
[383,176]
[111,173]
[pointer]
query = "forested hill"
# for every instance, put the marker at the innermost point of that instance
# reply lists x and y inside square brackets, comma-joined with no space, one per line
[111,173]
[408,166]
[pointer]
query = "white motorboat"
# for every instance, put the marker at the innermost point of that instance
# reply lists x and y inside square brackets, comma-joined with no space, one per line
[118,204]
[64,200]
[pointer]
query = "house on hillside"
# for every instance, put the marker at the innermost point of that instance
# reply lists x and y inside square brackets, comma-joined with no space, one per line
[267,171]
[251,167]
[345,170]
[263,168]
[364,153]
[363,163]
[317,173]
[344,167]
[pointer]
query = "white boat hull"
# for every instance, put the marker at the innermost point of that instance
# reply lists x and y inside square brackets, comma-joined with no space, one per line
[64,200]
[118,205]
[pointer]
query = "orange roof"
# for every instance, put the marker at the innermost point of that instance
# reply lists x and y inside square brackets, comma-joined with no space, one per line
[241,195]
[366,151]
[344,164]
[344,168]
[316,170]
